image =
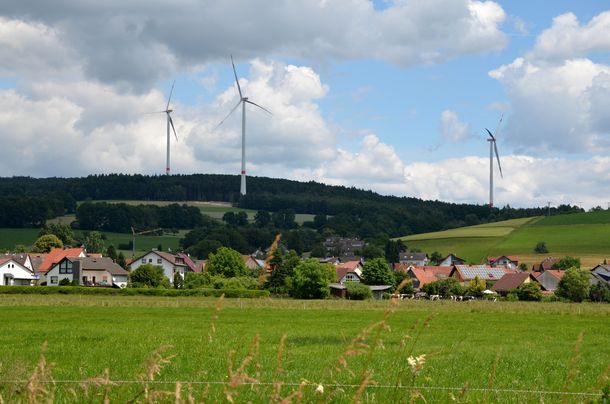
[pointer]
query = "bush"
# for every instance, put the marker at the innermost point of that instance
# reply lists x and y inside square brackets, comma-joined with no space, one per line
[312,280]
[358,291]
[541,248]
[65,282]
[512,297]
[529,292]
[574,285]
[600,292]
[148,275]
[444,287]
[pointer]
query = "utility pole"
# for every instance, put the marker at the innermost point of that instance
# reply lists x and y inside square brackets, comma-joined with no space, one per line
[549,208]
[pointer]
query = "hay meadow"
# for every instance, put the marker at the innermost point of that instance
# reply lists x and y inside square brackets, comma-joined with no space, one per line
[186,349]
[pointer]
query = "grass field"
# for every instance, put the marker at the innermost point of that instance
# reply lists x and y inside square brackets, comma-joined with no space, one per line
[584,235]
[505,347]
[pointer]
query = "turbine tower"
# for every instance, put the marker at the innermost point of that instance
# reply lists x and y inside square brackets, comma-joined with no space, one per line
[242,100]
[493,149]
[170,122]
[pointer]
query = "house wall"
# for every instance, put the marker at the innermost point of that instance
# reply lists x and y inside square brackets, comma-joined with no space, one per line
[548,281]
[99,277]
[20,275]
[120,280]
[505,262]
[53,274]
[154,259]
[350,277]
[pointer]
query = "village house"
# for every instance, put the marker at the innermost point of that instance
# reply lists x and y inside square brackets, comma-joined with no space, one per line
[343,246]
[417,259]
[466,273]
[179,263]
[510,282]
[503,261]
[451,259]
[548,279]
[422,275]
[350,271]
[545,264]
[88,271]
[601,273]
[42,263]
[13,272]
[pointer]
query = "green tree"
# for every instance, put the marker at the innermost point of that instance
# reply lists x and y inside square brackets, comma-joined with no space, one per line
[476,287]
[111,253]
[358,291]
[148,276]
[262,218]
[94,242]
[194,280]
[541,248]
[318,251]
[567,262]
[529,291]
[204,248]
[435,258]
[377,272]
[311,280]
[62,231]
[444,287]
[178,280]
[121,261]
[283,265]
[226,262]
[371,251]
[574,285]
[47,242]
[600,292]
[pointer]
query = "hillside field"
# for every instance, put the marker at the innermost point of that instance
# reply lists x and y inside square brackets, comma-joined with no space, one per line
[584,235]
[522,352]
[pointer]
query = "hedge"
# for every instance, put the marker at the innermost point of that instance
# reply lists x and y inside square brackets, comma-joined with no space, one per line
[75,290]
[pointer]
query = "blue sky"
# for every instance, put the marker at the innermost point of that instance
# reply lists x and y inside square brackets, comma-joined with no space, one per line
[392,96]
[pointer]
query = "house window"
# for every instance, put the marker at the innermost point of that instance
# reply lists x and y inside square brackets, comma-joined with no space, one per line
[150,260]
[143,260]
[159,261]
[105,279]
[54,280]
[65,267]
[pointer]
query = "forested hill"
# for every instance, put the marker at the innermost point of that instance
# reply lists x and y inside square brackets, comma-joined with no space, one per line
[353,211]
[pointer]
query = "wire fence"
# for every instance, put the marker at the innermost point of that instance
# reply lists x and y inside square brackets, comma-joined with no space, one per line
[330,385]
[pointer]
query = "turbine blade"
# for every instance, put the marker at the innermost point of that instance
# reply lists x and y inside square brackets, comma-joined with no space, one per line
[237,81]
[492,136]
[171,122]
[264,109]
[170,95]
[228,115]
[499,123]
[498,158]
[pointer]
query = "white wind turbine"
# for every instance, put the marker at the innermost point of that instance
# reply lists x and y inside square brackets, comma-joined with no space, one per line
[242,100]
[170,122]
[493,148]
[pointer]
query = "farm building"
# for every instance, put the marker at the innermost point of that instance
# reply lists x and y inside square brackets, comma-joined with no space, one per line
[511,282]
[466,273]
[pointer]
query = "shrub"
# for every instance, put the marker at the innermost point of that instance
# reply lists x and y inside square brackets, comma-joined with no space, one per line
[65,282]
[358,291]
[311,280]
[444,287]
[226,262]
[529,292]
[600,292]
[541,248]
[148,275]
[512,297]
[574,285]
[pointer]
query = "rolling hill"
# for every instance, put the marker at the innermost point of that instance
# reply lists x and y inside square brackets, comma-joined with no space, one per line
[584,235]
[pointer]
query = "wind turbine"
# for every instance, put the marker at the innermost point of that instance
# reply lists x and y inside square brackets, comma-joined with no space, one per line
[242,100]
[493,148]
[170,122]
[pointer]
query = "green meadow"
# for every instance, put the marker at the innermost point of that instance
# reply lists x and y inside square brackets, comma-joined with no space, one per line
[584,235]
[264,350]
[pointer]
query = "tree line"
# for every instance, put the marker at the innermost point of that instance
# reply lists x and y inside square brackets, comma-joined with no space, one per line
[347,211]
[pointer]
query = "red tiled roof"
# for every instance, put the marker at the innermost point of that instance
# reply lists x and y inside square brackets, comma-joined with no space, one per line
[557,273]
[510,257]
[430,273]
[56,255]
[546,264]
[349,265]
[341,272]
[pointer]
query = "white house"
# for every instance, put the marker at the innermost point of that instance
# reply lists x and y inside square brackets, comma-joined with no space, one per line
[88,271]
[13,273]
[171,263]
[503,261]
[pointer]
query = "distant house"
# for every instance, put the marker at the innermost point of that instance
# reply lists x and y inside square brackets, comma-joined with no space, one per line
[342,246]
[504,261]
[549,279]
[179,263]
[466,273]
[601,273]
[511,282]
[42,263]
[451,259]
[88,271]
[15,273]
[545,264]
[350,271]
[252,263]
[421,276]
[417,259]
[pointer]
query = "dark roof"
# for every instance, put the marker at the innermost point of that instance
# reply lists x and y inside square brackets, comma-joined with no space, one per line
[412,256]
[100,264]
[546,264]
[510,281]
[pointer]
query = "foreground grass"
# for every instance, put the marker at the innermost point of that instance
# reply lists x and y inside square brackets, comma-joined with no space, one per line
[505,346]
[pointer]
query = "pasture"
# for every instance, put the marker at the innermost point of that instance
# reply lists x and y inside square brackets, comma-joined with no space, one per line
[584,235]
[250,349]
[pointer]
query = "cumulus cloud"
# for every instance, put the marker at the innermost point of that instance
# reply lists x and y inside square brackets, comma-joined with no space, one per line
[133,45]
[452,129]
[558,97]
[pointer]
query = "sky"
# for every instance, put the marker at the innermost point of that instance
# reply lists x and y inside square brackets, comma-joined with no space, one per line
[388,95]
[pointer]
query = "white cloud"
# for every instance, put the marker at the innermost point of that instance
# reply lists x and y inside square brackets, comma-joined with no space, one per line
[133,45]
[452,129]
[567,39]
